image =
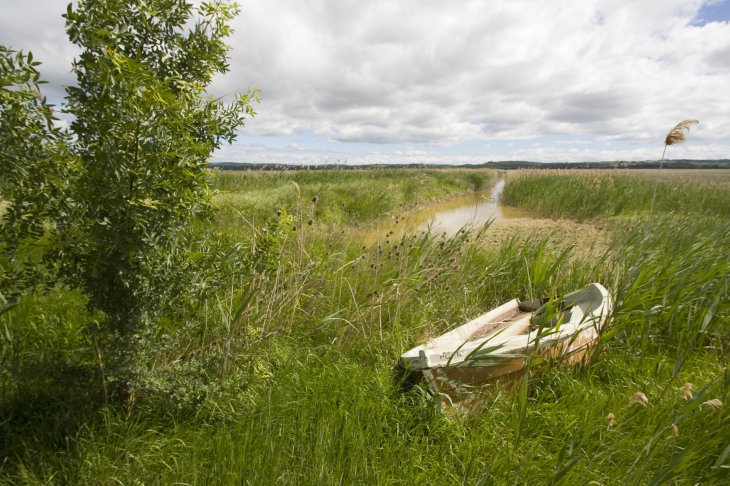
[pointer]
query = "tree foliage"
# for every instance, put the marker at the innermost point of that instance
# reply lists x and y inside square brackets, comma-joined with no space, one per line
[113,200]
[35,173]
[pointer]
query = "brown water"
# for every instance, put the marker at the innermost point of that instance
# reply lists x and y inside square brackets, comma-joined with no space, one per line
[473,211]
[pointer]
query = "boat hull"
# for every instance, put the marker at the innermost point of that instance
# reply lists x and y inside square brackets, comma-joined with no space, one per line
[458,382]
[447,363]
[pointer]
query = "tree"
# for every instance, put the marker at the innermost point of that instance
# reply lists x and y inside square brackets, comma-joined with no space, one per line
[35,175]
[144,131]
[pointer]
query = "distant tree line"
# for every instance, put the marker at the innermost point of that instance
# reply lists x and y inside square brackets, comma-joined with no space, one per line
[502,165]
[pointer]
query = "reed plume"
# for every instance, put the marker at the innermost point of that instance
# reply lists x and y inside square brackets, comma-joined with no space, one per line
[639,398]
[676,135]
[679,133]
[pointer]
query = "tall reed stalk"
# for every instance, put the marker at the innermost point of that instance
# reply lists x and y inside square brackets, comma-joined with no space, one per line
[676,135]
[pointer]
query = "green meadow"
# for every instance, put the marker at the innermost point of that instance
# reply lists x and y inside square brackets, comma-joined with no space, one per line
[283,373]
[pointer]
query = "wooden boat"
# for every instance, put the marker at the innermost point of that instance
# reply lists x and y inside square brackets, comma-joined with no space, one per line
[495,346]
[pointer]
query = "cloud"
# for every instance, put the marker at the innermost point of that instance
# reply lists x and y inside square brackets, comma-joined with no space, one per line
[412,71]
[573,142]
[38,27]
[428,73]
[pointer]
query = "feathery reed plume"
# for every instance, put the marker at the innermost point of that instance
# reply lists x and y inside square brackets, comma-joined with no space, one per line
[676,135]
[687,390]
[639,398]
[611,420]
[714,403]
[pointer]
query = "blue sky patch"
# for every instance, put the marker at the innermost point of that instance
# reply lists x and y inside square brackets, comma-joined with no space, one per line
[713,12]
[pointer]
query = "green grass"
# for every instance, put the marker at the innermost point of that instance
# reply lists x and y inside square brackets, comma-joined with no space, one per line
[592,194]
[286,377]
[344,197]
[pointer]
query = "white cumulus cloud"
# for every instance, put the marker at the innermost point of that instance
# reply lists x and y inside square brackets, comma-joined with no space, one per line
[437,75]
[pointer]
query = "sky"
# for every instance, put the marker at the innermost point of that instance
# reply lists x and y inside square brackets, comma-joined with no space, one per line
[433,81]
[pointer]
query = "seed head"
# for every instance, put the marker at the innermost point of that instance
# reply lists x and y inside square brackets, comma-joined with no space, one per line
[343,205]
[310,222]
[610,420]
[679,133]
[637,397]
[715,403]
[686,390]
[315,199]
[675,430]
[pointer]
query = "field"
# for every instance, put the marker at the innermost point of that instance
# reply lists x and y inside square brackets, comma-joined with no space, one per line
[286,376]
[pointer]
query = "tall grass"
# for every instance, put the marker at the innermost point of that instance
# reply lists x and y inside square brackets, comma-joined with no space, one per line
[591,194]
[354,197]
[286,377]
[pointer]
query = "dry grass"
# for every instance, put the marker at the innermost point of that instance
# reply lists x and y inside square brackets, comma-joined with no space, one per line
[589,237]
[712,176]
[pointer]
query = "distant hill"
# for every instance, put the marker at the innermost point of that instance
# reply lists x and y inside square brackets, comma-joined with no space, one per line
[504,165]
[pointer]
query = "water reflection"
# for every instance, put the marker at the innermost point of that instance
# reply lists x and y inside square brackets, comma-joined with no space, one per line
[475,210]
[449,217]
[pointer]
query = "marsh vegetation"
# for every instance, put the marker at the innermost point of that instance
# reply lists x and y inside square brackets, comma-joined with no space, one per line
[155,331]
[282,372]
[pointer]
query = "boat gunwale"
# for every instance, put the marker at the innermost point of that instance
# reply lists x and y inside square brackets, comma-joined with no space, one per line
[455,350]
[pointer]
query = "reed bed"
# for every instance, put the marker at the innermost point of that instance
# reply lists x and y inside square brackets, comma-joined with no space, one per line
[350,197]
[285,375]
[591,194]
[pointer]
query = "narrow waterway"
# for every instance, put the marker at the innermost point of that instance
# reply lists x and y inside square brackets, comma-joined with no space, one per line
[473,210]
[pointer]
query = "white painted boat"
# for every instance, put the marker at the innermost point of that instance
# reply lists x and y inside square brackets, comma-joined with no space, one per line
[495,346]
